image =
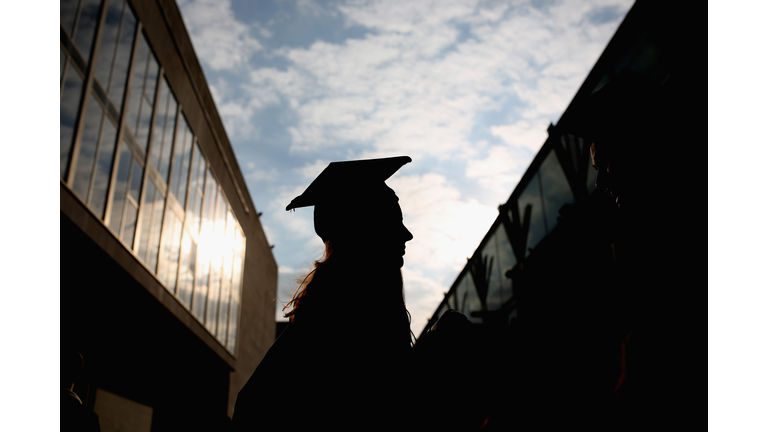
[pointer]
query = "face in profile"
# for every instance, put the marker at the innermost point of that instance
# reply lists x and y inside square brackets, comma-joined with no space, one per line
[378,235]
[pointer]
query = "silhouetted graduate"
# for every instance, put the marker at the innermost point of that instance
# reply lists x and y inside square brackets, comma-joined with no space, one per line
[639,147]
[343,361]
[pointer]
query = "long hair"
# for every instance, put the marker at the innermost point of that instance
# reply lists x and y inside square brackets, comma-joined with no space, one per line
[301,290]
[324,275]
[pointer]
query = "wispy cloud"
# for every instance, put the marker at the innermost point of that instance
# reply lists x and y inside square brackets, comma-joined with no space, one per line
[467,87]
[220,40]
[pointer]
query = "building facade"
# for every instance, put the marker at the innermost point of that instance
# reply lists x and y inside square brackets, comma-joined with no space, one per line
[538,288]
[167,280]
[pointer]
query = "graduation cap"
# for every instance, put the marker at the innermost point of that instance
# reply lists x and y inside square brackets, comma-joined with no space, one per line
[344,186]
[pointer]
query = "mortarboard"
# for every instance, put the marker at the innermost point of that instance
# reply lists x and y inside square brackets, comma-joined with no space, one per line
[348,181]
[347,185]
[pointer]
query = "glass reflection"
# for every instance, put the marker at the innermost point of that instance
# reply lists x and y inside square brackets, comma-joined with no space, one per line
[498,254]
[234,302]
[142,92]
[146,220]
[165,126]
[186,270]
[221,326]
[101,177]
[556,190]
[182,153]
[169,258]
[201,284]
[136,179]
[70,103]
[115,51]
[537,229]
[465,298]
[121,188]
[129,230]
[88,143]
[61,65]
[196,185]
[67,13]
[157,223]
[214,291]
[86,26]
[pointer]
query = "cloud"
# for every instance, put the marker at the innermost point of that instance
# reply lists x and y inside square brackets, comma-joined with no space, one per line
[220,40]
[501,170]
[445,227]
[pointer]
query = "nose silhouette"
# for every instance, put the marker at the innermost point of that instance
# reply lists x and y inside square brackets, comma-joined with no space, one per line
[408,235]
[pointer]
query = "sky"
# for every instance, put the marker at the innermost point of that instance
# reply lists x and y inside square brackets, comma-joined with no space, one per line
[465,88]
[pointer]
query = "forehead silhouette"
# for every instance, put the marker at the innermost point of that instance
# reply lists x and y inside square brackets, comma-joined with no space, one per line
[349,181]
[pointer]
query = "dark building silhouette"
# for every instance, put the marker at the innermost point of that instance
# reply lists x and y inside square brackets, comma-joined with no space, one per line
[540,288]
[167,280]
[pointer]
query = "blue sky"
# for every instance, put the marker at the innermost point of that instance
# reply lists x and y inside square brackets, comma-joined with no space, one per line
[466,88]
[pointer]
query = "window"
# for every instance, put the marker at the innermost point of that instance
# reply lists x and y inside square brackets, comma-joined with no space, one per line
[71,93]
[79,20]
[499,256]
[171,249]
[556,191]
[125,200]
[196,187]
[237,278]
[182,153]
[143,86]
[531,195]
[151,221]
[165,127]
[115,51]
[94,163]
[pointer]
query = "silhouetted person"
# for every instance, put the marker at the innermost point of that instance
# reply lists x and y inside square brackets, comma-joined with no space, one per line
[74,416]
[637,146]
[345,361]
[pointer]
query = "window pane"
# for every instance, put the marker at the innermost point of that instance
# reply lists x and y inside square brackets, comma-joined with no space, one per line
[103,168]
[157,223]
[506,262]
[162,268]
[234,306]
[182,153]
[556,190]
[136,179]
[89,15]
[145,119]
[122,59]
[109,36]
[214,290]
[146,220]
[234,315]
[67,11]
[121,186]
[221,327]
[201,284]
[209,205]
[196,189]
[187,270]
[61,65]
[500,252]
[88,143]
[115,50]
[165,126]
[532,197]
[70,102]
[169,259]
[129,229]
[142,92]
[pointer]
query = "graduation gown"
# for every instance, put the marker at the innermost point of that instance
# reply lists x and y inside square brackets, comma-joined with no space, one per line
[330,370]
